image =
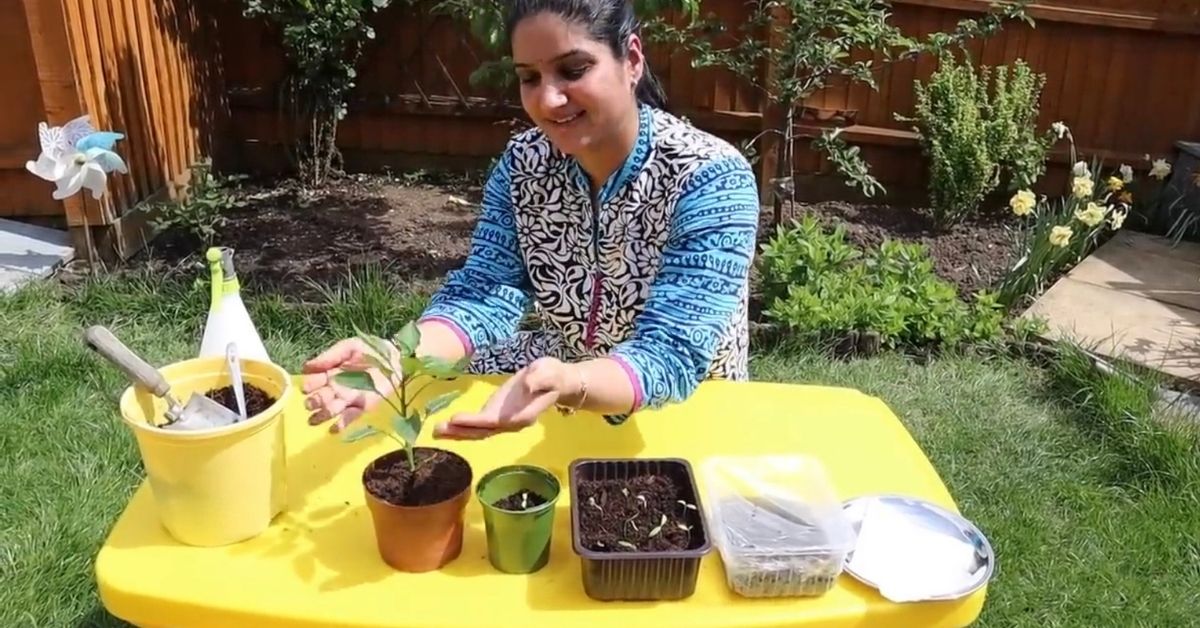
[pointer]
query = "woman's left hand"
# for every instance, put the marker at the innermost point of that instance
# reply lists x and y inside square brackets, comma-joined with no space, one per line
[516,405]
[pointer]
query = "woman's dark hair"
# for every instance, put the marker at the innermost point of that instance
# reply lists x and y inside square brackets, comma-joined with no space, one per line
[608,21]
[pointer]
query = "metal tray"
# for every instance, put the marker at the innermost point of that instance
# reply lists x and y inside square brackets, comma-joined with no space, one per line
[938,518]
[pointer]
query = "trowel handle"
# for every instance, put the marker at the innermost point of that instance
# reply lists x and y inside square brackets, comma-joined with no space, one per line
[106,344]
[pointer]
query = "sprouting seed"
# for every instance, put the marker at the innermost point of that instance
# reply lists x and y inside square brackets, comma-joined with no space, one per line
[642,499]
[593,504]
[627,544]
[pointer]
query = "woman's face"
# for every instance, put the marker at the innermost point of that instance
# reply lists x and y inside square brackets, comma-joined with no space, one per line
[572,86]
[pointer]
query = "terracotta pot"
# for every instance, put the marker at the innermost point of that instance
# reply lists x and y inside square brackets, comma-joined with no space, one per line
[418,538]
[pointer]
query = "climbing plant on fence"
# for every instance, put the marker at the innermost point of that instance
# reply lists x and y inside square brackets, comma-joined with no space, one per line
[323,41]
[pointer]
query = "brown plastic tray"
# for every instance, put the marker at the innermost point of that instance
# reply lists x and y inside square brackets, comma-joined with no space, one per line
[609,576]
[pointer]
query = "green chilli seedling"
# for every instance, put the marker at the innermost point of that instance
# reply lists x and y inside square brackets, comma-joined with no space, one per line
[397,361]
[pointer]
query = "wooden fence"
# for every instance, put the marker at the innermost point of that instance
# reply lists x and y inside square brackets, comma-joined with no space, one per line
[176,75]
[1124,74]
[147,68]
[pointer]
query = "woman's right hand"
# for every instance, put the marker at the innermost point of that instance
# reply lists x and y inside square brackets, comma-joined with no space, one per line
[327,399]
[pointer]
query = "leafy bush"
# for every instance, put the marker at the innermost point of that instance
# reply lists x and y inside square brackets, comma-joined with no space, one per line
[822,288]
[201,212]
[978,128]
[323,40]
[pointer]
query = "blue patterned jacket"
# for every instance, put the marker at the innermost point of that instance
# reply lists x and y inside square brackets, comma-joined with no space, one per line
[652,271]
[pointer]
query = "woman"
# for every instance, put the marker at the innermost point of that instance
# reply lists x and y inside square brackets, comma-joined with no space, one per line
[631,233]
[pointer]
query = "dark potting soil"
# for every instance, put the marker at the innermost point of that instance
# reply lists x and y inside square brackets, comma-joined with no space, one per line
[439,476]
[642,513]
[521,500]
[257,400]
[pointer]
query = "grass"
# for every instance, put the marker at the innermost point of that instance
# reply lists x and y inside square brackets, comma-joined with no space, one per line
[1094,518]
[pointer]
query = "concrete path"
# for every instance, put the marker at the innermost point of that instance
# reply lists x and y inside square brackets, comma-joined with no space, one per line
[1135,298]
[29,252]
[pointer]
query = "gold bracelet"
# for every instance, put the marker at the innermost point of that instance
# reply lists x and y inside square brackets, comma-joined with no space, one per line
[583,392]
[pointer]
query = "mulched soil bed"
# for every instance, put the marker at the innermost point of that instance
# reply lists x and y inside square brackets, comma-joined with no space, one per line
[283,233]
[421,231]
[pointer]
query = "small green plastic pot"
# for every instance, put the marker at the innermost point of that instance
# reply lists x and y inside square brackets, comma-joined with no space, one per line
[518,541]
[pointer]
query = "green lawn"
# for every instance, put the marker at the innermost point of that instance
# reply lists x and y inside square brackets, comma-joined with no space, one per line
[1084,538]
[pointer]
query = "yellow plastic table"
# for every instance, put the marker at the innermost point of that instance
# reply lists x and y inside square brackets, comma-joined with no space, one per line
[317,565]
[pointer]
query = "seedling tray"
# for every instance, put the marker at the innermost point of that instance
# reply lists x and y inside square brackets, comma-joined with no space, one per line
[626,573]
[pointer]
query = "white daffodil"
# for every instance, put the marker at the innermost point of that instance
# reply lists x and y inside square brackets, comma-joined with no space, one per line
[1023,202]
[1092,215]
[1060,129]
[1081,170]
[1126,173]
[1160,169]
[1083,187]
[1117,219]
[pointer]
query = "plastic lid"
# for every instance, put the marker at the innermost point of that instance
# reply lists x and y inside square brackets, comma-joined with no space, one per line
[780,504]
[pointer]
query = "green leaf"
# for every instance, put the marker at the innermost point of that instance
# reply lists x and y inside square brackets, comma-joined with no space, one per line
[408,339]
[359,434]
[439,403]
[380,346]
[411,367]
[408,428]
[378,363]
[358,380]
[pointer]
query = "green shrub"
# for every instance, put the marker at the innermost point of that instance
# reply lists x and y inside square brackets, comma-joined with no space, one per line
[323,41]
[201,213]
[978,129]
[822,288]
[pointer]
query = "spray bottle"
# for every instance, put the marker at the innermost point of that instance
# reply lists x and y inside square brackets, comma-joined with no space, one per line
[228,320]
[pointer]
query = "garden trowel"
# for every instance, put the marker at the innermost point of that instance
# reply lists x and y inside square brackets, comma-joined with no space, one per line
[200,412]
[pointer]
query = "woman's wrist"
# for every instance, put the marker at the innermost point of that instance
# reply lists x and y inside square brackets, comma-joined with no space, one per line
[573,387]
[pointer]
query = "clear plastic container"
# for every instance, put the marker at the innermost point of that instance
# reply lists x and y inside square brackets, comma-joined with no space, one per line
[777,523]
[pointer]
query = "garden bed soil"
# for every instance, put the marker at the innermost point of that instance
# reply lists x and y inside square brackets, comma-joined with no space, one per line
[257,400]
[521,500]
[284,237]
[973,255]
[439,476]
[614,518]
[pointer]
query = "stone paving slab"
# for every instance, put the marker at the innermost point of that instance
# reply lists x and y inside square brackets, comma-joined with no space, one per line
[29,252]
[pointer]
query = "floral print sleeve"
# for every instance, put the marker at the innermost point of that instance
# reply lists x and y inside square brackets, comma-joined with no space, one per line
[699,288]
[485,299]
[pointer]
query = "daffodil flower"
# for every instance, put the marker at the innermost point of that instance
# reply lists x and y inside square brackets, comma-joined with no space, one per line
[1083,187]
[1060,129]
[1023,202]
[1060,236]
[1081,170]
[1160,169]
[1114,184]
[1126,173]
[1118,218]
[1092,216]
